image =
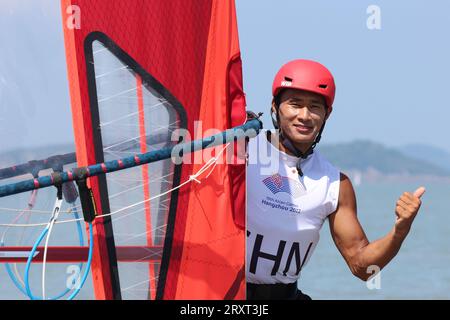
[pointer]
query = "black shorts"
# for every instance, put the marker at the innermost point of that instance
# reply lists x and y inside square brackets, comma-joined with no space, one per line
[278,291]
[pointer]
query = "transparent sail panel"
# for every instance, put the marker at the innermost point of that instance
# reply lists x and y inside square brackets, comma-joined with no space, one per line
[134,118]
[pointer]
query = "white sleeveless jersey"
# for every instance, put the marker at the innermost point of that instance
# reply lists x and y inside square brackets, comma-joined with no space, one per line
[285,211]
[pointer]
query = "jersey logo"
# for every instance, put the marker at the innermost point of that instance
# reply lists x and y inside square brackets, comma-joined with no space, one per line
[277,183]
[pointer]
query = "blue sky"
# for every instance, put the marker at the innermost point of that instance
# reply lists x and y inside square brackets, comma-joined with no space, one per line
[34,94]
[392,83]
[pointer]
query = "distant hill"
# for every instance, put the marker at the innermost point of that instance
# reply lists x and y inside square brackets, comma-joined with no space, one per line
[427,153]
[363,155]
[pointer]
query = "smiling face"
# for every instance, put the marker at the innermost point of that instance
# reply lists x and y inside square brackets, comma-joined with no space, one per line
[301,115]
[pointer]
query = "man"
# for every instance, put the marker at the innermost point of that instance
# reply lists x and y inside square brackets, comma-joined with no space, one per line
[286,207]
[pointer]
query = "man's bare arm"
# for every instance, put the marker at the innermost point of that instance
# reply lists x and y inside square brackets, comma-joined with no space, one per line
[351,240]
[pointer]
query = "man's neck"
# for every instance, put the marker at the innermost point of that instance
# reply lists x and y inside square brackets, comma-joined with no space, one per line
[302,147]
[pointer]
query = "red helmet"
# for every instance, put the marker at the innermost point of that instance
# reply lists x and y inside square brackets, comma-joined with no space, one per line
[306,75]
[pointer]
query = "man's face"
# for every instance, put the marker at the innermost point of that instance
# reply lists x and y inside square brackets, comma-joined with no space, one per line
[301,115]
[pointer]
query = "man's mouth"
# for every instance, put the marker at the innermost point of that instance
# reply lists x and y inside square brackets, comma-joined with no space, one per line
[303,129]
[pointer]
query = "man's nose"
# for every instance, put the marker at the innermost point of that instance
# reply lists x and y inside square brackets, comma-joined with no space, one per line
[304,113]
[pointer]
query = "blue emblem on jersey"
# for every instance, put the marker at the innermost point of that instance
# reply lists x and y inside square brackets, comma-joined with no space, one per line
[277,183]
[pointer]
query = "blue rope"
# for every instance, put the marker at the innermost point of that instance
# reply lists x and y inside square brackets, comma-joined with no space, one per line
[83,280]
[19,285]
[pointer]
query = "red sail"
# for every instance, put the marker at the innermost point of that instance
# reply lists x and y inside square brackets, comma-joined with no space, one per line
[164,65]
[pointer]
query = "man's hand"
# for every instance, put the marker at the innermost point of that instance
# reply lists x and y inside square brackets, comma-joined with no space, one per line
[407,207]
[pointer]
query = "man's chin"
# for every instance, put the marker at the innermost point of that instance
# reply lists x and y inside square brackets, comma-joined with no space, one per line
[301,139]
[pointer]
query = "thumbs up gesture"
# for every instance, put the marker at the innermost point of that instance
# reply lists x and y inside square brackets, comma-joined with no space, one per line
[407,207]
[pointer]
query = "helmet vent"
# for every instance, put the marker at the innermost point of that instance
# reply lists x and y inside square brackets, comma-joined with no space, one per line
[323,86]
[288,79]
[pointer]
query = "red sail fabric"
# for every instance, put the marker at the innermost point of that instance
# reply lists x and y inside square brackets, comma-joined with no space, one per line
[191,48]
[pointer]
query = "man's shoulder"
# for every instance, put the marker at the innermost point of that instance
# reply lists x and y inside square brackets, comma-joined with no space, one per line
[330,169]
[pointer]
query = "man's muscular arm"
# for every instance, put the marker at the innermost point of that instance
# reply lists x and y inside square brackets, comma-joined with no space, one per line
[351,240]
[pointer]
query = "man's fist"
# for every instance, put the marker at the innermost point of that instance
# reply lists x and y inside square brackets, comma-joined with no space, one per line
[407,207]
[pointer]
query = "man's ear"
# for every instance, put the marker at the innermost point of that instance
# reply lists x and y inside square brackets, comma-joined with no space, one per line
[274,107]
[274,114]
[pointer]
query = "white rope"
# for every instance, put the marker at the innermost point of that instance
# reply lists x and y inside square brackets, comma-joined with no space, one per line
[193,177]
[50,225]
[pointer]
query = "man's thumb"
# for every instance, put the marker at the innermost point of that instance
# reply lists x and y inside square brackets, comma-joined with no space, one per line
[419,192]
